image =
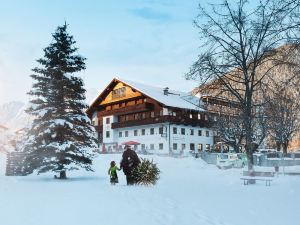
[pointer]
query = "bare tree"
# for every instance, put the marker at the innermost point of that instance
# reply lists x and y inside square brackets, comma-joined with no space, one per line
[230,130]
[284,108]
[237,40]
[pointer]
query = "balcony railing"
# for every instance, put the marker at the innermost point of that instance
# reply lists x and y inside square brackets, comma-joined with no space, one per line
[162,119]
[129,109]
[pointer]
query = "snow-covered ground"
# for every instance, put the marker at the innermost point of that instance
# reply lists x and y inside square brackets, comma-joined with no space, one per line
[189,192]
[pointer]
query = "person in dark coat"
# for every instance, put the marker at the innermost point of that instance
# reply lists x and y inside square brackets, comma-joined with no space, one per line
[129,161]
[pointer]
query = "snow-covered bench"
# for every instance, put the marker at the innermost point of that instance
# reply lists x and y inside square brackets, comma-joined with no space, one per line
[258,174]
[250,177]
[247,179]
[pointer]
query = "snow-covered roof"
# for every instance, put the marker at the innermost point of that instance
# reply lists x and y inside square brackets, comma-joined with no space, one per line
[176,99]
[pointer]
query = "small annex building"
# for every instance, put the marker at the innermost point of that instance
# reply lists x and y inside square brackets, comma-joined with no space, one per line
[155,120]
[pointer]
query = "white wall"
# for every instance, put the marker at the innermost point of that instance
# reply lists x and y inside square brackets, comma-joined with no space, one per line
[188,139]
[146,139]
[157,138]
[107,128]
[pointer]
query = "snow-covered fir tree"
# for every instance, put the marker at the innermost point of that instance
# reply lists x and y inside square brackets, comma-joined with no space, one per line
[61,137]
[146,173]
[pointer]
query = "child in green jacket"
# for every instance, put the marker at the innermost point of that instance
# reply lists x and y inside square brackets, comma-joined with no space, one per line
[113,173]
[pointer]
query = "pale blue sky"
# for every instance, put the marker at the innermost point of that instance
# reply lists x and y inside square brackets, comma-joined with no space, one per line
[150,41]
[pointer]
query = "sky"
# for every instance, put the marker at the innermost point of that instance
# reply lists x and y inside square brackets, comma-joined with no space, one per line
[148,41]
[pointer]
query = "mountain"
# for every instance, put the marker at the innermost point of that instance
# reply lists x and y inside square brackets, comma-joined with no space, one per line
[9,111]
[13,115]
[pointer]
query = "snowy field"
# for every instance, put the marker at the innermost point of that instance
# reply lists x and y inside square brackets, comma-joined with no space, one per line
[189,192]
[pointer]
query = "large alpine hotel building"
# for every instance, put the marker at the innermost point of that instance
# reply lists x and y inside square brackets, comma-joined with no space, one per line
[157,120]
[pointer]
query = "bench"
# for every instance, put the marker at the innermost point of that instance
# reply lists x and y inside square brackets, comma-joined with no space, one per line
[247,179]
[258,174]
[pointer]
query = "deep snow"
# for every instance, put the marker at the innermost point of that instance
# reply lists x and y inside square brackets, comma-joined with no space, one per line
[189,192]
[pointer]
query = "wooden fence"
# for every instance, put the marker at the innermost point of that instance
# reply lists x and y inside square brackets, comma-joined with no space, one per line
[15,164]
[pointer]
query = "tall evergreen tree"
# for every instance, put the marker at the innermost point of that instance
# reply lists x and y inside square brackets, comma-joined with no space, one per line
[61,137]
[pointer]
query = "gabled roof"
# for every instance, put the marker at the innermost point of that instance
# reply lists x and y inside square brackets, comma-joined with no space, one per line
[174,99]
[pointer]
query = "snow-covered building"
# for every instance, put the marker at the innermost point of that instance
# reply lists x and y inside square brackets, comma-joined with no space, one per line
[158,120]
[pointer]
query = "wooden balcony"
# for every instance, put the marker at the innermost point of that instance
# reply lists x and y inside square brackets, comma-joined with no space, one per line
[162,119]
[128,109]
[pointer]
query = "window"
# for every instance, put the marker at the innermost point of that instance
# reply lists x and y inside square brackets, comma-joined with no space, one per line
[107,134]
[191,116]
[174,113]
[135,132]
[199,132]
[174,146]
[200,147]
[126,118]
[207,147]
[143,115]
[151,146]
[161,130]
[182,131]
[183,147]
[120,134]
[207,133]
[126,133]
[191,131]
[143,131]
[161,146]
[199,116]
[205,117]
[119,93]
[152,114]
[108,120]
[143,147]
[136,116]
[151,131]
[192,147]
[174,130]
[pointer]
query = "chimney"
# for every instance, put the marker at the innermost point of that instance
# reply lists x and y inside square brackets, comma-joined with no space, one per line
[166,91]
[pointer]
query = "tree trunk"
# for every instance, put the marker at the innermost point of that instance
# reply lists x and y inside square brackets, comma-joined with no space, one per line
[62,175]
[284,147]
[248,146]
[236,148]
[278,146]
[250,160]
